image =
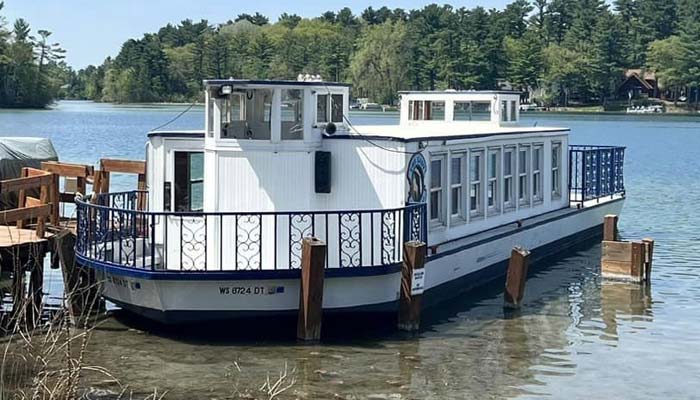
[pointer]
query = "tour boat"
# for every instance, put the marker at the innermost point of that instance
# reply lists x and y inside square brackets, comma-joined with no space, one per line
[218,231]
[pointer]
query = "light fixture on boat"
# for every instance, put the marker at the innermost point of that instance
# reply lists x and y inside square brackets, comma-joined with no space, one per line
[226,90]
[330,128]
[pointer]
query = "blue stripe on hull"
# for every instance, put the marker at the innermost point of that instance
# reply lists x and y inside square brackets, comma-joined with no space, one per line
[432,297]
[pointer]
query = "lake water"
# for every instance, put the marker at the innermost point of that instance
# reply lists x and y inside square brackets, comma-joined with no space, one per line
[575,337]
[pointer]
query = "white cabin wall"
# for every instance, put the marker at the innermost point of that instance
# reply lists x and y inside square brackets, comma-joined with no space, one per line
[253,181]
[364,176]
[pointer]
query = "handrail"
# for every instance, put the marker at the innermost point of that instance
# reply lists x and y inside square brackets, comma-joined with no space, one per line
[595,172]
[112,231]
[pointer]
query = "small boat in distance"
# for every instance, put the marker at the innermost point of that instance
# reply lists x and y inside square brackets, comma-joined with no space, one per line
[218,232]
[652,109]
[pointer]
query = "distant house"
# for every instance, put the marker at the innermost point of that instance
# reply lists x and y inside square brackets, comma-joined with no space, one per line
[638,83]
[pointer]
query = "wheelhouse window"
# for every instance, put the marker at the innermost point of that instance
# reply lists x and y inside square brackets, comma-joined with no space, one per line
[492,184]
[508,164]
[337,108]
[456,191]
[556,170]
[292,114]
[476,178]
[322,108]
[426,110]
[537,173]
[504,111]
[436,187]
[472,110]
[246,114]
[523,171]
[513,111]
[189,181]
[329,107]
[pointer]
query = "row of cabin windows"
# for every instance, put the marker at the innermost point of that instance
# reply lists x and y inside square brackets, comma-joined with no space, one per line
[429,110]
[486,172]
[247,114]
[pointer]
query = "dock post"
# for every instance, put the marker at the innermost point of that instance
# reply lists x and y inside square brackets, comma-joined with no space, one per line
[516,277]
[313,260]
[35,296]
[412,285]
[648,257]
[610,233]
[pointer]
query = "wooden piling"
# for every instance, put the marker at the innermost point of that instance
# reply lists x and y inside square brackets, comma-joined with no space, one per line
[35,298]
[313,260]
[648,257]
[516,277]
[610,232]
[412,285]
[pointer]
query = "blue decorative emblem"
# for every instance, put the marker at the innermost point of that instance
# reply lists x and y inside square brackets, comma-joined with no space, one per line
[415,174]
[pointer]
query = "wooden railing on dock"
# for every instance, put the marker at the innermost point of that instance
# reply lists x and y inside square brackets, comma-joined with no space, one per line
[29,208]
[81,173]
[109,166]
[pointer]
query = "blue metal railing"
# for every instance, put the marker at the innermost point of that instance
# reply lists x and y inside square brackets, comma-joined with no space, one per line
[113,230]
[595,172]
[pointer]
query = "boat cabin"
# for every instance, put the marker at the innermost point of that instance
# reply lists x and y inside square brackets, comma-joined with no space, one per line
[280,160]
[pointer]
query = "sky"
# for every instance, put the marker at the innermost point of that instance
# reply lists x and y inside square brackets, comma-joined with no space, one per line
[91,30]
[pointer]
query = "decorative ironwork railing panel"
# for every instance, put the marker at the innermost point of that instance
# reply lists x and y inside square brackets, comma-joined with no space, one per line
[112,230]
[595,172]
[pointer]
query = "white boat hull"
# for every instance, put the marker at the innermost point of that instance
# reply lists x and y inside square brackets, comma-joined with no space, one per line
[456,267]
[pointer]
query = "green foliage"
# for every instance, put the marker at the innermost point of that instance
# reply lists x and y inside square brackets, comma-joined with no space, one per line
[31,70]
[380,66]
[560,51]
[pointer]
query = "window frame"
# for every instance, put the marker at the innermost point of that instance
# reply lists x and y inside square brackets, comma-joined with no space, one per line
[556,170]
[440,190]
[523,187]
[537,181]
[478,211]
[495,180]
[460,185]
[329,114]
[509,179]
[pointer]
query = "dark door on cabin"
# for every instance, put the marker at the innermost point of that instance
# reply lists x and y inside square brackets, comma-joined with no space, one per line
[188,183]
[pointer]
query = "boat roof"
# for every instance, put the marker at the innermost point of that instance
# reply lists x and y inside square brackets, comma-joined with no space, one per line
[440,131]
[451,91]
[195,133]
[271,82]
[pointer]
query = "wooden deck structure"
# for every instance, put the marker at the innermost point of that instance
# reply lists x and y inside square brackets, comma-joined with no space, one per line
[36,227]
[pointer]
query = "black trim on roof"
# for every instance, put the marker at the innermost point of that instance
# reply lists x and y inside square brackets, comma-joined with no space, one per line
[272,82]
[446,137]
[175,134]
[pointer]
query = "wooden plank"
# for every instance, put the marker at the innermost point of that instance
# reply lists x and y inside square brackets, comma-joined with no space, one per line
[31,201]
[29,171]
[610,232]
[31,182]
[637,262]
[516,277]
[54,199]
[17,214]
[44,199]
[123,166]
[615,268]
[617,251]
[313,260]
[412,285]
[68,169]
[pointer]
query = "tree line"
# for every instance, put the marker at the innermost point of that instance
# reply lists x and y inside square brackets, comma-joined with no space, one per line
[558,51]
[31,68]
